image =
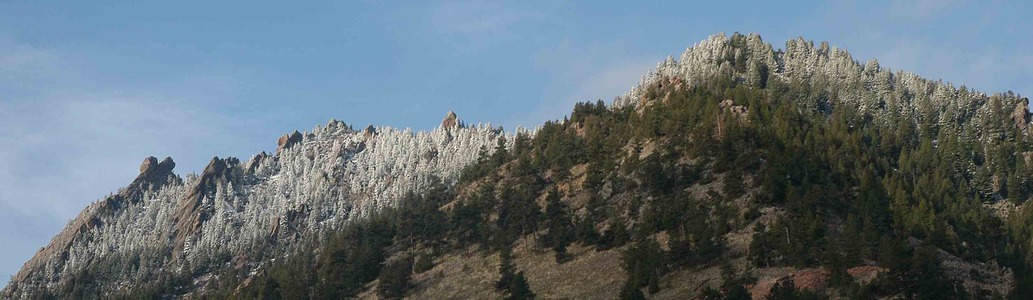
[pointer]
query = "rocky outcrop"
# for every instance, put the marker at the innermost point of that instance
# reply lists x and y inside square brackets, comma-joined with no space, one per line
[866,274]
[153,175]
[1020,115]
[729,106]
[254,162]
[192,211]
[369,132]
[979,278]
[451,121]
[738,113]
[288,140]
[814,280]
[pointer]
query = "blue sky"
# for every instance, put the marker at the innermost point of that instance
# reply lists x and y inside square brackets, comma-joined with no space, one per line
[87,90]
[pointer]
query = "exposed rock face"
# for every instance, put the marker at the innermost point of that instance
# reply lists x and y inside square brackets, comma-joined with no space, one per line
[148,163]
[738,111]
[814,280]
[1020,115]
[369,132]
[153,173]
[981,278]
[312,186]
[192,213]
[288,140]
[451,121]
[254,162]
[866,274]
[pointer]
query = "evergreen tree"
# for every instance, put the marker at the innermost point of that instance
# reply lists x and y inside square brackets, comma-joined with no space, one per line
[513,283]
[394,278]
[644,263]
[559,225]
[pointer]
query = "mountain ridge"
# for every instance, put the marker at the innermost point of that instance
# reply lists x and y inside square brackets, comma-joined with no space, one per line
[192,197]
[316,182]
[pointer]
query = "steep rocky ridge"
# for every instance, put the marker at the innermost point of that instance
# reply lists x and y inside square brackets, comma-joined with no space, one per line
[153,176]
[317,181]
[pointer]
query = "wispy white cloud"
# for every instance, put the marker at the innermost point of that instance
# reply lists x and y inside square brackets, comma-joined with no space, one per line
[24,68]
[920,9]
[960,41]
[21,59]
[65,153]
[472,26]
[609,81]
[584,72]
[613,80]
[993,69]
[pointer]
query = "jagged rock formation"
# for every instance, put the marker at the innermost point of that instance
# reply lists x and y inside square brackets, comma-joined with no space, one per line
[451,121]
[287,140]
[315,182]
[152,176]
[1020,115]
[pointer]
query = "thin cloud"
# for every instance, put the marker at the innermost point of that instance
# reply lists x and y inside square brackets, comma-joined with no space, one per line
[611,81]
[70,142]
[67,153]
[18,59]
[472,26]
[581,73]
[25,71]
[615,80]
[921,9]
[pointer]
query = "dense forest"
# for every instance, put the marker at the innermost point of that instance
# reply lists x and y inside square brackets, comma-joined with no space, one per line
[745,172]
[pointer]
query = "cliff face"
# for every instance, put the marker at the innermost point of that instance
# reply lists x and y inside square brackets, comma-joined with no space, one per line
[315,182]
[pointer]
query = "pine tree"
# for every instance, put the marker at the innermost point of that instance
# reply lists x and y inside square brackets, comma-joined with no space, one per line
[394,278]
[559,225]
[513,283]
